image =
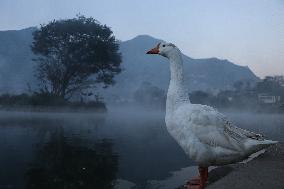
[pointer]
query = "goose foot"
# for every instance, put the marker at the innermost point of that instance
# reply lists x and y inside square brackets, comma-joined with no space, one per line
[200,181]
[195,181]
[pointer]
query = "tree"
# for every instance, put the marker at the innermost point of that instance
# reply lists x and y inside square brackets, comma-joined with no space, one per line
[150,95]
[200,97]
[238,85]
[74,55]
[270,85]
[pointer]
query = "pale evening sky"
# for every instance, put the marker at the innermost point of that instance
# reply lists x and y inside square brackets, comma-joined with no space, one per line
[246,32]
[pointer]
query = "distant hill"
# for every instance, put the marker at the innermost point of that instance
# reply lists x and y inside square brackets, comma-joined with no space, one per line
[201,74]
[16,67]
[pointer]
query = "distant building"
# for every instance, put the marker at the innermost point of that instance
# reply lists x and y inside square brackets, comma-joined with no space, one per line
[279,79]
[268,99]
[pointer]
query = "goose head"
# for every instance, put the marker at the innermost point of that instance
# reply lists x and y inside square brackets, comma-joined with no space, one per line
[164,49]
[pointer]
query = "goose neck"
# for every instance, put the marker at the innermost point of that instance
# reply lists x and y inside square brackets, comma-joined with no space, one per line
[177,94]
[176,68]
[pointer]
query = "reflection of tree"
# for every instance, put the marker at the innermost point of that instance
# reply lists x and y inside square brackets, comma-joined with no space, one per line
[64,163]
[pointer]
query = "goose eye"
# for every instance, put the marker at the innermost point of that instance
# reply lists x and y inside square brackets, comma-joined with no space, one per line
[163,45]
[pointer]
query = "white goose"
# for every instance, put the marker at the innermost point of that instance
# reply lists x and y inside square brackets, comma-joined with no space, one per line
[205,135]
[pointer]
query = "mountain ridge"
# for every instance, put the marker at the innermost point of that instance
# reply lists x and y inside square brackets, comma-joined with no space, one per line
[16,67]
[200,74]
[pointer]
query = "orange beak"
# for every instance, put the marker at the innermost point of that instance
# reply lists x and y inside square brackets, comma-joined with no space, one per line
[154,50]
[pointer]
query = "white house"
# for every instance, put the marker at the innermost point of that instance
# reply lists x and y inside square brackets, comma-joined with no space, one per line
[268,99]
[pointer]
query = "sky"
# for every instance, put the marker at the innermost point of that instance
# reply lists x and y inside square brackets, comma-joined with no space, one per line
[246,32]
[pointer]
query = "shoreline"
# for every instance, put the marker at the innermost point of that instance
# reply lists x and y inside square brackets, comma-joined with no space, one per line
[265,171]
[53,109]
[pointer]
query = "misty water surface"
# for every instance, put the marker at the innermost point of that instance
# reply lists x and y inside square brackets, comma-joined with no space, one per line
[88,150]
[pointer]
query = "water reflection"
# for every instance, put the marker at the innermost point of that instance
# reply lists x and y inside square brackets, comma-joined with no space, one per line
[73,150]
[73,163]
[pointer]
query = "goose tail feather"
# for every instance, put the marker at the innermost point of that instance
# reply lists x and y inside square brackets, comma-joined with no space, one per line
[257,145]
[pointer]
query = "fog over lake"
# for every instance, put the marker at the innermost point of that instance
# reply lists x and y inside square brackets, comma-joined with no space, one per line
[128,144]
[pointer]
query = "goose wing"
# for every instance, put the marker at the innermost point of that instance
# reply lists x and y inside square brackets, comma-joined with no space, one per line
[214,129]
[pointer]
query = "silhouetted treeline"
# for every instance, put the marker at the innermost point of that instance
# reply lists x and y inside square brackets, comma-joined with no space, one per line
[38,101]
[266,95]
[150,96]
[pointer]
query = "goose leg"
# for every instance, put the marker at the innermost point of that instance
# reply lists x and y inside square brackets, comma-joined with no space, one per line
[207,174]
[203,172]
[200,181]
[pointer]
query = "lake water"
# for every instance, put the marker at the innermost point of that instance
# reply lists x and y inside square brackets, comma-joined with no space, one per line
[88,150]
